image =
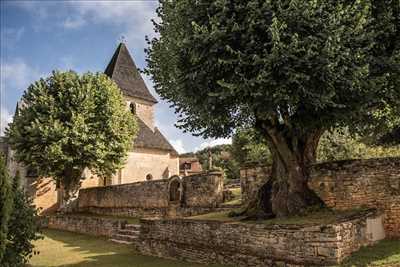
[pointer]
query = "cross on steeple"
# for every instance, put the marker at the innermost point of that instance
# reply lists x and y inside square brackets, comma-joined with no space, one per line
[122,39]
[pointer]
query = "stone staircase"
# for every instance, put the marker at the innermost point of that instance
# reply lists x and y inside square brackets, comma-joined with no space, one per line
[128,235]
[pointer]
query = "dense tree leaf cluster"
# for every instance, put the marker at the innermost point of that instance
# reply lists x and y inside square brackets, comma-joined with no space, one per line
[69,122]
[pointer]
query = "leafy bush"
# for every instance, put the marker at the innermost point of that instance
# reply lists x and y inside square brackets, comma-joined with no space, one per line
[23,228]
[5,204]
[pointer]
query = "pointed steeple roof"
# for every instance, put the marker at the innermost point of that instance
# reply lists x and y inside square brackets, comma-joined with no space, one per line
[123,71]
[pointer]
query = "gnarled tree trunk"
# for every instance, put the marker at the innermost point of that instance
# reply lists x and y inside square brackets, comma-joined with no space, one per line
[287,192]
[69,184]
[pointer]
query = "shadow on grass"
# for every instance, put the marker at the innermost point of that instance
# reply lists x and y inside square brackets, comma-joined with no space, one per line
[99,252]
[384,254]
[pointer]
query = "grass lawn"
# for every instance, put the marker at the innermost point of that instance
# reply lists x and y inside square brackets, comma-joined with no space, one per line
[384,254]
[61,248]
[237,197]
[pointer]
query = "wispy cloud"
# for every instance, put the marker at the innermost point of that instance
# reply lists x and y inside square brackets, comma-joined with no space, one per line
[40,9]
[211,143]
[178,145]
[73,23]
[11,36]
[17,74]
[5,119]
[132,17]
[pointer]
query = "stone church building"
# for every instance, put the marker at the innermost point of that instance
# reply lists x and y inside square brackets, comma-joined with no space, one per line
[152,156]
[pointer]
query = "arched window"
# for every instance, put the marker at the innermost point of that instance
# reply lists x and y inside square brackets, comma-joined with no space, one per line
[132,107]
[149,177]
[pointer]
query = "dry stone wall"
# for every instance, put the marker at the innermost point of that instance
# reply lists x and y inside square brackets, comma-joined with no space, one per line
[198,194]
[250,244]
[203,190]
[349,184]
[85,224]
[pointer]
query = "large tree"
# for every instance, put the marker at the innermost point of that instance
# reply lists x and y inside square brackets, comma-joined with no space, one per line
[69,122]
[288,68]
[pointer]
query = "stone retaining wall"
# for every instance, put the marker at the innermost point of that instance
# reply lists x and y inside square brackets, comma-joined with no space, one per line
[348,184]
[251,244]
[197,194]
[205,191]
[85,224]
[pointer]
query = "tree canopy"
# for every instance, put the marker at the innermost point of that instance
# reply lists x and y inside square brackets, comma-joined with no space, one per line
[68,122]
[291,69]
[299,64]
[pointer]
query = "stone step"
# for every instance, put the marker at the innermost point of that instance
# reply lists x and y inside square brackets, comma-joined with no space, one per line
[120,241]
[128,238]
[132,227]
[128,232]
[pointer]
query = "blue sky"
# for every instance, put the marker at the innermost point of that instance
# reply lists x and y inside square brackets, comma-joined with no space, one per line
[40,36]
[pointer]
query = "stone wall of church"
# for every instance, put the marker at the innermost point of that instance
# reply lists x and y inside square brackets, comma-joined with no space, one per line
[45,195]
[140,163]
[144,110]
[144,161]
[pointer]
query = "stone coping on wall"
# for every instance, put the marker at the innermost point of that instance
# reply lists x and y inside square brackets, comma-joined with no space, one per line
[343,164]
[257,244]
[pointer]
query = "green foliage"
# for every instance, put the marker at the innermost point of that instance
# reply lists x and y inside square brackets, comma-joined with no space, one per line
[293,66]
[67,123]
[381,125]
[23,228]
[249,148]
[222,159]
[385,127]
[6,198]
[339,144]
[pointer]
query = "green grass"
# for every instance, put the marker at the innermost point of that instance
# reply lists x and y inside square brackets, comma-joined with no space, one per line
[60,248]
[237,197]
[384,254]
[67,249]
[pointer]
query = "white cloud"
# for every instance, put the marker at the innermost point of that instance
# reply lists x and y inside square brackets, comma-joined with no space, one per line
[73,23]
[11,36]
[40,9]
[215,142]
[178,145]
[132,17]
[17,75]
[5,119]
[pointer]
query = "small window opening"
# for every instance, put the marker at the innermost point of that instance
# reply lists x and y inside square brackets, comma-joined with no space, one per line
[132,107]
[187,166]
[149,177]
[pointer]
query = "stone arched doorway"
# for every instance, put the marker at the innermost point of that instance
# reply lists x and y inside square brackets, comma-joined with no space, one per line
[175,190]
